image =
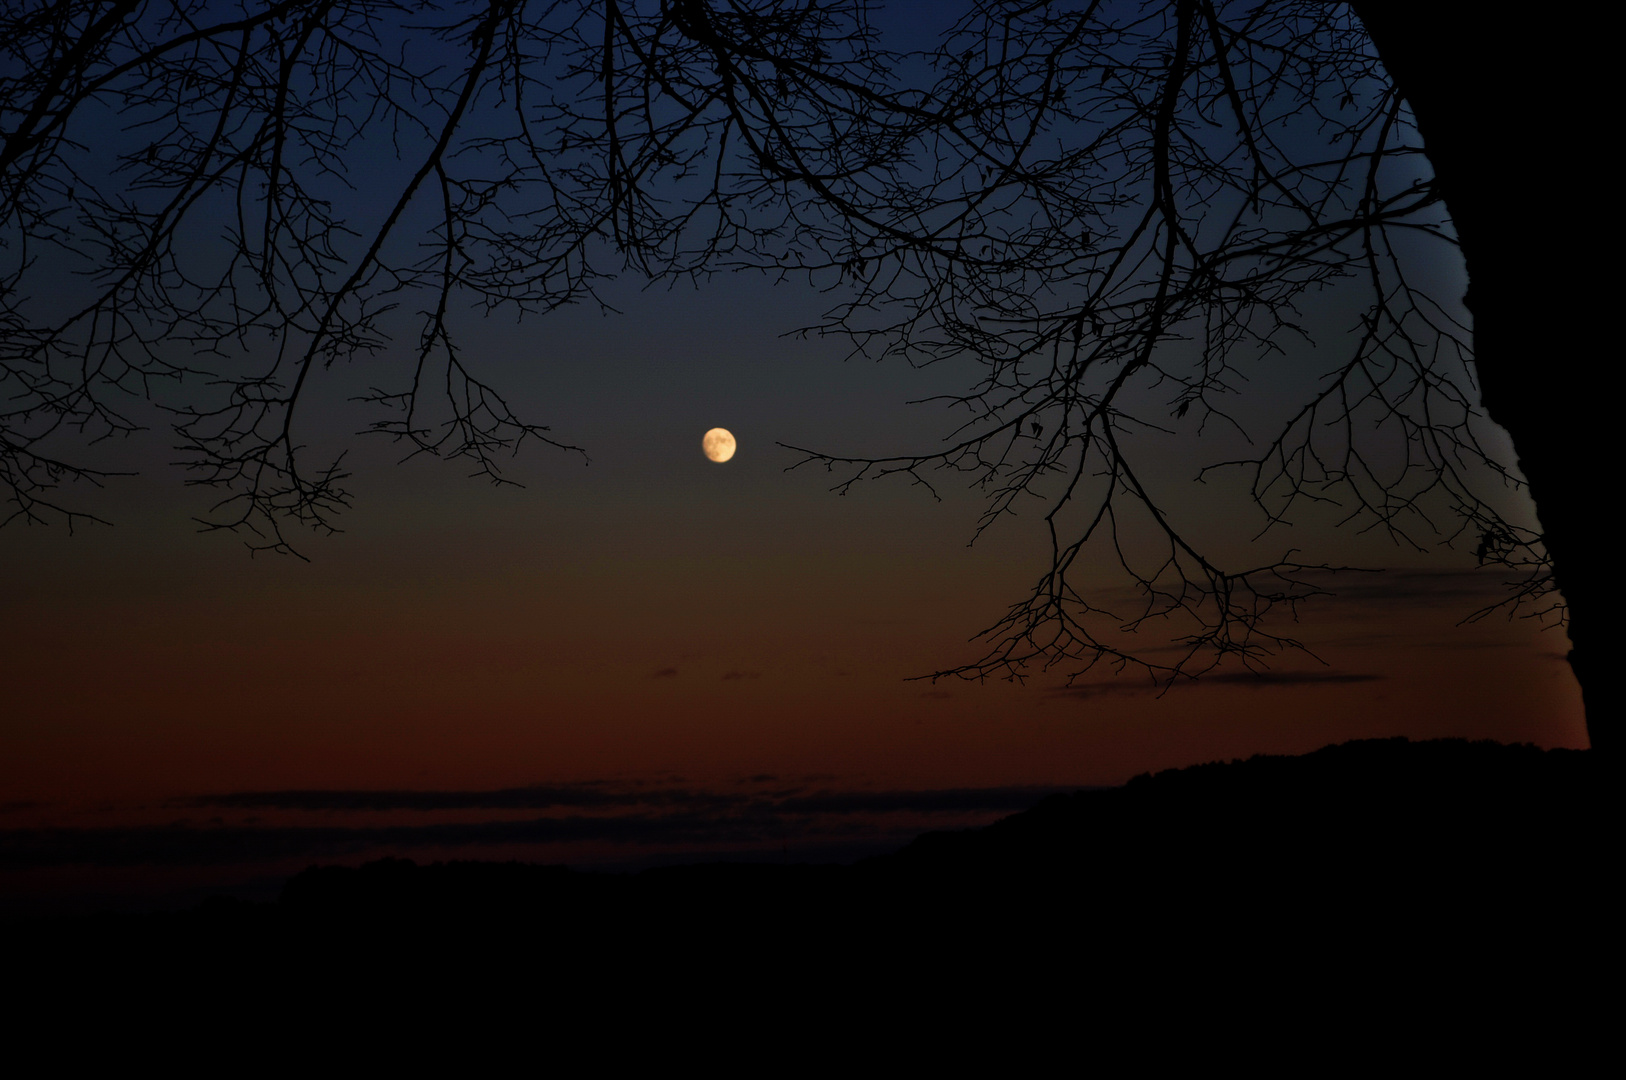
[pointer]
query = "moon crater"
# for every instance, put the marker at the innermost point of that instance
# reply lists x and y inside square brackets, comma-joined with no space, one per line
[719,444]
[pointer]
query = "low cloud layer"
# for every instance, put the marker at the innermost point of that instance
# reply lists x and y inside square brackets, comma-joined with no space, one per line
[670,818]
[1257,680]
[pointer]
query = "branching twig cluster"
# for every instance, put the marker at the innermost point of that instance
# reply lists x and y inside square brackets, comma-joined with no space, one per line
[1119,209]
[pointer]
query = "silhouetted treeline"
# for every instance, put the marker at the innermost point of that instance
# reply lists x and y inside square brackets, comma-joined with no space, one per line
[1462,872]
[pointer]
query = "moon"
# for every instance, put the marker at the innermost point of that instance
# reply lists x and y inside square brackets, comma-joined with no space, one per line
[719,444]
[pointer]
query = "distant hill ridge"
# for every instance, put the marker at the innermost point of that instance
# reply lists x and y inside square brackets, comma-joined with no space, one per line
[1447,814]
[1391,795]
[1379,878]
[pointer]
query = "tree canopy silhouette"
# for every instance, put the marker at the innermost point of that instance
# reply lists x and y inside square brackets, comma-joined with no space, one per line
[1117,208]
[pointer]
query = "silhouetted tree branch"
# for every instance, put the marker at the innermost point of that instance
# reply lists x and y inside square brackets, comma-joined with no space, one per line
[1119,209]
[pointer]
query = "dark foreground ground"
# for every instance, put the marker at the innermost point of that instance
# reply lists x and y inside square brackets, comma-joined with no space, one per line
[1428,884]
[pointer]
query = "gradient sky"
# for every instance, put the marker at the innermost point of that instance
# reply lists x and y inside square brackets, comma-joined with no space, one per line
[651,621]
[652,618]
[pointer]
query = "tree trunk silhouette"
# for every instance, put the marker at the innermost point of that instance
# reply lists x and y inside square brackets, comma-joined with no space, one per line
[1508,113]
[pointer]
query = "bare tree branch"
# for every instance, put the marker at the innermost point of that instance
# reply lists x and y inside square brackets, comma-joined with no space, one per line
[1122,211]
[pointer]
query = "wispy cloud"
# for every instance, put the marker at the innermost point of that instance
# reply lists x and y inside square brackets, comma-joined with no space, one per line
[1472,586]
[944,800]
[1254,679]
[671,819]
[586,796]
[1290,678]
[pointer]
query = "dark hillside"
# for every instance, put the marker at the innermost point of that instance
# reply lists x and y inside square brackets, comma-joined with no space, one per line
[1378,813]
[1470,867]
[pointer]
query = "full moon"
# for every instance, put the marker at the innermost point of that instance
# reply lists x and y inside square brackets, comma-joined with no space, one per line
[718,444]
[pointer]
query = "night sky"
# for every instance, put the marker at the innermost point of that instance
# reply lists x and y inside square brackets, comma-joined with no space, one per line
[643,654]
